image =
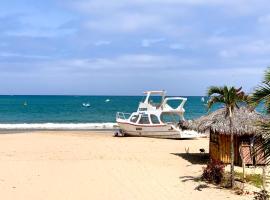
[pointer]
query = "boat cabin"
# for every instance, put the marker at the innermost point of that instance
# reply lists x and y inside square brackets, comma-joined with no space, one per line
[154,118]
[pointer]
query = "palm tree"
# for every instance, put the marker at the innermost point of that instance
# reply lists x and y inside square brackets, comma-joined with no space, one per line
[230,97]
[262,92]
[262,95]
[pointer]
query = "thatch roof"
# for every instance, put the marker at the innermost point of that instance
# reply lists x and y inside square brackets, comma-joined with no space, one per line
[244,122]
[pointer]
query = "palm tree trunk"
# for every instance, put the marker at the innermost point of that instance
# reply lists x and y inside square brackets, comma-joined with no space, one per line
[232,150]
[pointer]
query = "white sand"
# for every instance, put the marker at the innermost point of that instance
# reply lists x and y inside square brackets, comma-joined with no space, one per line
[88,165]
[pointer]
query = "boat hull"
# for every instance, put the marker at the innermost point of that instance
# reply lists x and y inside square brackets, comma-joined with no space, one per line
[157,131]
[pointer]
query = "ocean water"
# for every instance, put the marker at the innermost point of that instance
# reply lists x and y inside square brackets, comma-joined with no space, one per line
[68,112]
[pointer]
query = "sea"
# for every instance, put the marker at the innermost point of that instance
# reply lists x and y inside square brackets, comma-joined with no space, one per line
[77,112]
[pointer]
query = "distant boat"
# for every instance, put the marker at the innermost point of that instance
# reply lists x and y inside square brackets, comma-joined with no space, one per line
[25,103]
[86,105]
[202,99]
[107,100]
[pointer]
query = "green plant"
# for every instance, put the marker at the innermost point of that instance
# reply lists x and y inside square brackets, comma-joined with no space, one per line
[262,95]
[254,179]
[230,97]
[213,172]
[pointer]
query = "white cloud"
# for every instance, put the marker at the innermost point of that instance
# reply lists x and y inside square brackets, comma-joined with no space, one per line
[123,22]
[250,49]
[127,64]
[40,32]
[228,40]
[265,19]
[150,42]
[228,53]
[102,42]
[19,55]
[93,5]
[177,46]
[239,7]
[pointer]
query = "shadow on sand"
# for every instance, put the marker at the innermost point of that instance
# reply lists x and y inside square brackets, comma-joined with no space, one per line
[197,179]
[194,158]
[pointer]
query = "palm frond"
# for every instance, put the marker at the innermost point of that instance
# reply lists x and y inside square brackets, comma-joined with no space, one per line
[239,90]
[261,94]
[229,96]
[267,76]
[215,90]
[213,100]
[264,139]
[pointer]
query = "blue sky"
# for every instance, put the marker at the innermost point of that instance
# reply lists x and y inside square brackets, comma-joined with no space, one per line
[126,47]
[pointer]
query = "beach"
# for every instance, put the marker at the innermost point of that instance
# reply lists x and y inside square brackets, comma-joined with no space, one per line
[94,165]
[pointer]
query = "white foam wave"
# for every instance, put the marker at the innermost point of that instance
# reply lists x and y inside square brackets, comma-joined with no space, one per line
[60,126]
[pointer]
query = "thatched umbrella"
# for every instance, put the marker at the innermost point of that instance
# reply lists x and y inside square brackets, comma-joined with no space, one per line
[245,126]
[244,119]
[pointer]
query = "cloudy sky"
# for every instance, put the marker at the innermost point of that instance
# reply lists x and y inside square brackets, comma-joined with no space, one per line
[127,46]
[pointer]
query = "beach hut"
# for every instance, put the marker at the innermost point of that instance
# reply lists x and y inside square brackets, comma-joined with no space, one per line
[244,129]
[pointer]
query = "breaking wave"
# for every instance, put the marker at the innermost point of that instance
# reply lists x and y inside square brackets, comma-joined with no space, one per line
[59,126]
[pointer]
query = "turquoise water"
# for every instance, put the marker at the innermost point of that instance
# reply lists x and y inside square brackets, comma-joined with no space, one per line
[69,109]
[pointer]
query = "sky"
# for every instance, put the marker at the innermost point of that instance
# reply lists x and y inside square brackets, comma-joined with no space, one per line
[121,47]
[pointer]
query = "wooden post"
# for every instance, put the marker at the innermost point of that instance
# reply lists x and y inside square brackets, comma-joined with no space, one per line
[244,173]
[232,149]
[264,176]
[243,161]
[267,178]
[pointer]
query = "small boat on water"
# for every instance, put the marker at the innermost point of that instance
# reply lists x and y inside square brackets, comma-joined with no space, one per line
[161,119]
[107,100]
[202,99]
[86,105]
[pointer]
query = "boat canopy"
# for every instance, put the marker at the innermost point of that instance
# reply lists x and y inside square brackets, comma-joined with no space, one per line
[163,105]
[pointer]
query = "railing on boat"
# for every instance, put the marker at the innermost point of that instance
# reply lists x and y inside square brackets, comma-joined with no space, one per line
[121,115]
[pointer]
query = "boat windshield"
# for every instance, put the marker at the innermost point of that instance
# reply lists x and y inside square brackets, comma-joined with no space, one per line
[134,118]
[154,119]
[155,100]
[170,118]
[144,119]
[174,103]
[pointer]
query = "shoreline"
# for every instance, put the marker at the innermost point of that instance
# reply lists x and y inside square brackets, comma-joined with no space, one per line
[107,126]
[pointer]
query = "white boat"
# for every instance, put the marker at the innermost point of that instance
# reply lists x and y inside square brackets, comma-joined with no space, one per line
[86,105]
[160,119]
[202,99]
[107,100]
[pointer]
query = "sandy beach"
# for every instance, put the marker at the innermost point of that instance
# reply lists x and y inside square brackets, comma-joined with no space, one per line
[94,165]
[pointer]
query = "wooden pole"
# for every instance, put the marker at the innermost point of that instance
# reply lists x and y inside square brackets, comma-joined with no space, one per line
[263,176]
[232,150]
[267,178]
[243,163]
[244,173]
